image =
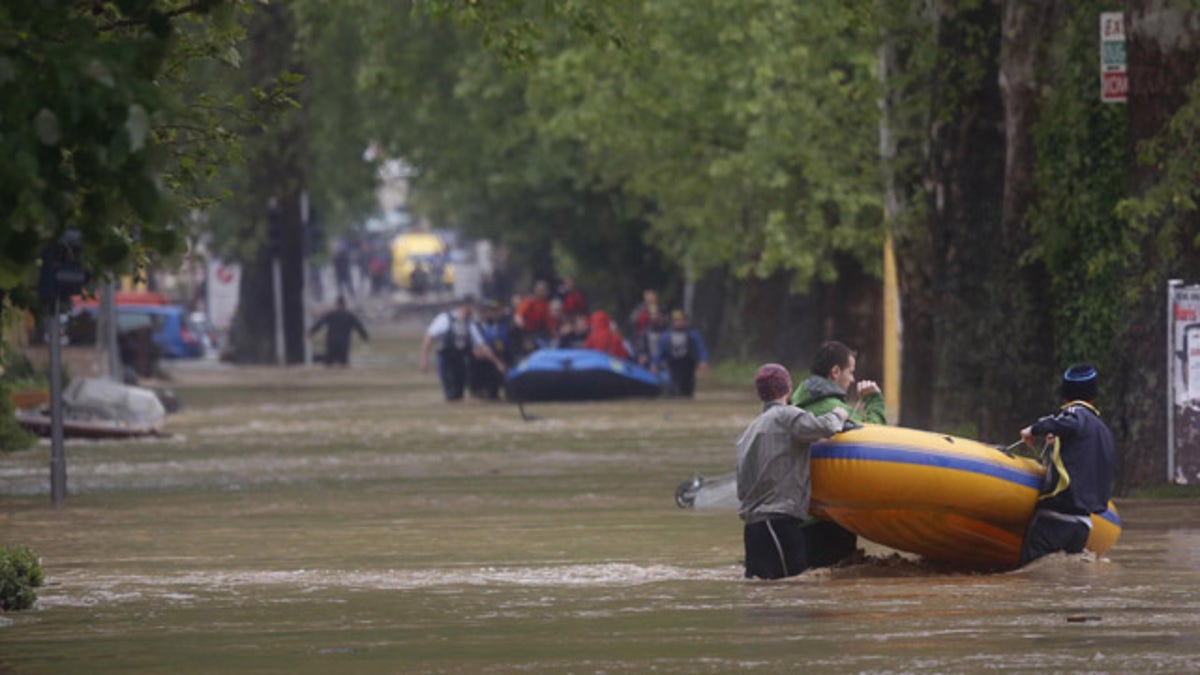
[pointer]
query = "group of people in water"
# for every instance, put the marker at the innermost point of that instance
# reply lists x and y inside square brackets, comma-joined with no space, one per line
[774,484]
[475,344]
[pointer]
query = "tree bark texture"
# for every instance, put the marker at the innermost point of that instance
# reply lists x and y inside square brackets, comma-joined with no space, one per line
[1163,48]
[275,173]
[960,312]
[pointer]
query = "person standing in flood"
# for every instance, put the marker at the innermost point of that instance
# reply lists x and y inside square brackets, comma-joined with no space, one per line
[1079,468]
[456,336]
[339,322]
[459,342]
[682,351]
[832,376]
[774,485]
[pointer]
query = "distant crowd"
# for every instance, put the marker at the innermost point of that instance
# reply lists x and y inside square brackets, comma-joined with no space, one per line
[477,344]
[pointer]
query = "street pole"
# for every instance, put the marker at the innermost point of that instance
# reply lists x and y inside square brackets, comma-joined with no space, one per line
[1172,286]
[58,458]
[108,326]
[305,286]
[274,239]
[277,282]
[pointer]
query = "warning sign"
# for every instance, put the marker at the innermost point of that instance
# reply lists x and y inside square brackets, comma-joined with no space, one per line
[1114,73]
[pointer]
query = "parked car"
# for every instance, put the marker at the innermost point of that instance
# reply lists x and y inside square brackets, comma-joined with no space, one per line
[177,335]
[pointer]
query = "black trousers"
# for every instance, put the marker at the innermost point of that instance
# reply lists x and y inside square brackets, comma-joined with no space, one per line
[683,376]
[452,369]
[485,380]
[1047,534]
[784,546]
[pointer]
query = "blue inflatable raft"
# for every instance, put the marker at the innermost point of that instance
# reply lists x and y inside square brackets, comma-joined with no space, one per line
[579,375]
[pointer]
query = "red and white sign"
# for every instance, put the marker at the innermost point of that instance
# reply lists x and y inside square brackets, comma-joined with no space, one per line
[1114,75]
[1183,359]
[222,283]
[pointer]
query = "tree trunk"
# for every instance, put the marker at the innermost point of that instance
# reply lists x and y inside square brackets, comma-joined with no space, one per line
[275,173]
[1163,47]
[961,304]
[1022,328]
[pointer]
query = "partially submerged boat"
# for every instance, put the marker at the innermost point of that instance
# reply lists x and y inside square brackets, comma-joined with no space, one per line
[579,375]
[951,500]
[98,408]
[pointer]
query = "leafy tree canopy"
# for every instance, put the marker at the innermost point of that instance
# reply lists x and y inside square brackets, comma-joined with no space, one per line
[106,126]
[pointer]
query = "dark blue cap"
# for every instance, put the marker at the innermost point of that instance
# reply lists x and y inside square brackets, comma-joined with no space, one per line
[1079,382]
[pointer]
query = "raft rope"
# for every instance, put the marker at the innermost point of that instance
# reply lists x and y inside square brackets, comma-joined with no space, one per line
[1064,478]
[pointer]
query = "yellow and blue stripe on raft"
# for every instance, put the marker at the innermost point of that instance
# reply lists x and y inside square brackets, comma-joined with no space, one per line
[949,499]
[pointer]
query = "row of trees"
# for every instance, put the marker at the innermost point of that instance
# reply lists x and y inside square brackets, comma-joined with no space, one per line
[741,140]
[758,151]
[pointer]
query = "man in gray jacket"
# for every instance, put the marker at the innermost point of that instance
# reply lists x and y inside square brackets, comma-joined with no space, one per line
[774,484]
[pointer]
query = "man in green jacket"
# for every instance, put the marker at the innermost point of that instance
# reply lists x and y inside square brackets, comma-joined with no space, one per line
[831,379]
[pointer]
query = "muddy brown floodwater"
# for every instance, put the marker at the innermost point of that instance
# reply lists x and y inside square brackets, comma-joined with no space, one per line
[308,521]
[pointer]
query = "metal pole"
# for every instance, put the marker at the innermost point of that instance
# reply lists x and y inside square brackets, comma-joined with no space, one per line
[1172,285]
[305,286]
[277,282]
[689,289]
[108,323]
[58,459]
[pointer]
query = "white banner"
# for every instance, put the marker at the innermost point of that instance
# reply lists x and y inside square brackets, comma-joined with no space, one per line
[1184,358]
[222,283]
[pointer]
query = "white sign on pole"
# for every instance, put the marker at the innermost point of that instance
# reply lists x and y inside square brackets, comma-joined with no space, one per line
[1184,357]
[1114,75]
[222,282]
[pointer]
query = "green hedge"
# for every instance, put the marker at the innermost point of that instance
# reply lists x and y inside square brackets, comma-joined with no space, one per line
[20,573]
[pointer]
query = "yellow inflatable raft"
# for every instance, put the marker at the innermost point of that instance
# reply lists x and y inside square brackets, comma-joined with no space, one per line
[946,498]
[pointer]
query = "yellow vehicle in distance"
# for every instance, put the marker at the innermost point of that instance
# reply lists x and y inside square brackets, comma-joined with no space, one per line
[421,262]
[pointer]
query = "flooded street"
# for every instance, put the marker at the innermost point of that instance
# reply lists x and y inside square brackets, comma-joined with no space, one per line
[309,521]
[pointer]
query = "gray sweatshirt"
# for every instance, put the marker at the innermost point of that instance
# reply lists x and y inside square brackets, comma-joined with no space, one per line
[773,477]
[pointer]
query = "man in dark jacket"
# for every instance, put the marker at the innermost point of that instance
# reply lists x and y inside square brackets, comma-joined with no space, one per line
[338,324]
[682,351]
[1079,470]
[458,341]
[486,376]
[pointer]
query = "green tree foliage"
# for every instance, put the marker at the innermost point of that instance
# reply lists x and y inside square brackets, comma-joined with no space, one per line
[755,147]
[20,574]
[99,128]
[458,113]
[711,135]
[1167,210]
[307,125]
[1081,174]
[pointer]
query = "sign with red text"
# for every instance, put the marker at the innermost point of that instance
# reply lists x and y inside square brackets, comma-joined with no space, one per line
[1114,75]
[223,283]
[1184,371]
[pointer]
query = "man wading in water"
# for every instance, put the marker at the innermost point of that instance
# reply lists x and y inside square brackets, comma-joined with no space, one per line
[1079,471]
[774,484]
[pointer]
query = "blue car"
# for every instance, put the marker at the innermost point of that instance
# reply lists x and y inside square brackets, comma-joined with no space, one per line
[174,332]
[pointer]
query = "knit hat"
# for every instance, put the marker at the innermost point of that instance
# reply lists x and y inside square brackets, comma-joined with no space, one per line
[772,381]
[1079,383]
